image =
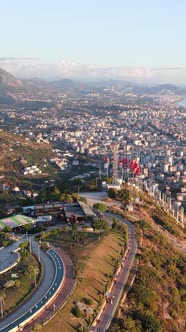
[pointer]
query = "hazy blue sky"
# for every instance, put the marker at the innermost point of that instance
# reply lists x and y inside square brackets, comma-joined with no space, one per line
[95,32]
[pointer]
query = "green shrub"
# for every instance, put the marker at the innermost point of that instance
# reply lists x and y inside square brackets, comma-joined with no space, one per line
[100,206]
[77,312]
[88,301]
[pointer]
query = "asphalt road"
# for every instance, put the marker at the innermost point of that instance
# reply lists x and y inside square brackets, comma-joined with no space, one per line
[41,290]
[61,297]
[117,290]
[7,257]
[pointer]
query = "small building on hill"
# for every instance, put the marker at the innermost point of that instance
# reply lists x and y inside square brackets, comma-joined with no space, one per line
[77,212]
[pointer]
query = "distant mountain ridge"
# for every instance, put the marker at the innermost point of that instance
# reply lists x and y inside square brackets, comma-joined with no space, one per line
[161,89]
[7,80]
[69,84]
[35,82]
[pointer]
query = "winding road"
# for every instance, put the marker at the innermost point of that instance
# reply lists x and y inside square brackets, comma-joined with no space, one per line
[60,267]
[56,285]
[41,290]
[106,315]
[62,296]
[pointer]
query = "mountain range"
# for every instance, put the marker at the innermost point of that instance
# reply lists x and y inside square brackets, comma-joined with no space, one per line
[8,83]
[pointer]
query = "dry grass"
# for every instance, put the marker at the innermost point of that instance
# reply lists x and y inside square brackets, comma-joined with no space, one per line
[95,262]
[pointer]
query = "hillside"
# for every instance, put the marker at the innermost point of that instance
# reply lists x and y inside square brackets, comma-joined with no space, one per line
[157,300]
[8,81]
[14,147]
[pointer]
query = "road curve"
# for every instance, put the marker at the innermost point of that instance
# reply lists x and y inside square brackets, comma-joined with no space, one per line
[64,292]
[40,291]
[107,314]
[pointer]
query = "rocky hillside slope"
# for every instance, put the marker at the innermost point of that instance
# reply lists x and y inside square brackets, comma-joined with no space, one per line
[9,81]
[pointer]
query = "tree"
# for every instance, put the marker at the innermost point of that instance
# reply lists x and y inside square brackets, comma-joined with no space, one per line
[45,245]
[23,245]
[77,312]
[5,243]
[143,294]
[7,196]
[74,227]
[75,197]
[69,198]
[76,182]
[62,197]
[54,231]
[43,235]
[88,301]
[114,223]
[114,327]
[127,324]
[55,194]
[112,193]
[27,227]
[124,195]
[74,231]
[100,206]
[149,322]
[30,271]
[64,228]
[144,224]
[105,226]
[7,229]
[95,224]
[17,283]
[100,225]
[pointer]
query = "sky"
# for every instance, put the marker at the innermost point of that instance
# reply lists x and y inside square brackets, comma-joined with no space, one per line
[137,39]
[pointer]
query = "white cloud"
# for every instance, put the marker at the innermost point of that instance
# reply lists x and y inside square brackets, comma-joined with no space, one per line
[28,68]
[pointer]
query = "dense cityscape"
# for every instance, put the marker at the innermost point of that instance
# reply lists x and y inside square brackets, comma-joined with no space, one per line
[93,166]
[149,128]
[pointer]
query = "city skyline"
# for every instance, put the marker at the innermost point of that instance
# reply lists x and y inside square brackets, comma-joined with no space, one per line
[112,39]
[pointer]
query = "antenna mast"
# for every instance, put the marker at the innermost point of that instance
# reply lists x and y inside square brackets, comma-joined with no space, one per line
[114,149]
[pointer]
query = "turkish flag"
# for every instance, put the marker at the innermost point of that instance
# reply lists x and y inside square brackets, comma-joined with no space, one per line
[137,170]
[125,161]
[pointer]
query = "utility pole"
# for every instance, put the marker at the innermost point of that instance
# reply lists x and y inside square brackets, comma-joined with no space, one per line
[38,253]
[35,277]
[97,181]
[100,172]
[30,245]
[2,303]
[82,324]
[124,167]
[35,281]
[182,215]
